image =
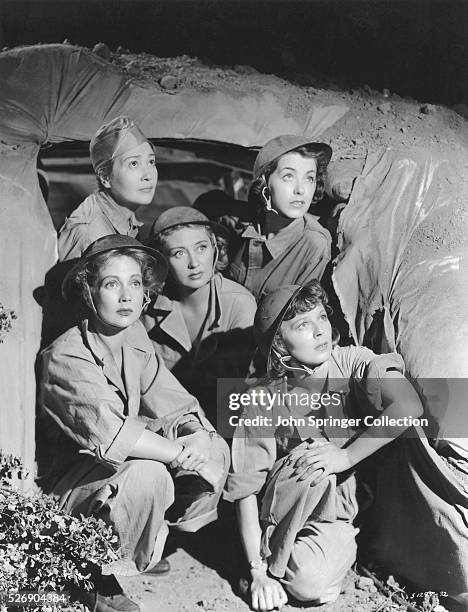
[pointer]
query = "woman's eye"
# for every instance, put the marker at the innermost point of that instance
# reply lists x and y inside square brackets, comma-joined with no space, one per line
[133,163]
[324,317]
[177,254]
[287,177]
[311,179]
[136,283]
[152,162]
[110,284]
[202,247]
[302,324]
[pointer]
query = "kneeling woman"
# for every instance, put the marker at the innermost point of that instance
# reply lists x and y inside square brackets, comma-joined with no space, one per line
[135,439]
[302,458]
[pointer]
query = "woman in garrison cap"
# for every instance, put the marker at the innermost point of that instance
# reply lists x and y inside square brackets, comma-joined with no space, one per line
[124,162]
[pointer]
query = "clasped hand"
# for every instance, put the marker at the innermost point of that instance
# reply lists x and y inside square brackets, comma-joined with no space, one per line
[319,461]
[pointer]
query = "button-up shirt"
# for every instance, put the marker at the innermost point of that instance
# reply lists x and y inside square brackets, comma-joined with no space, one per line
[103,410]
[98,215]
[351,374]
[225,343]
[295,255]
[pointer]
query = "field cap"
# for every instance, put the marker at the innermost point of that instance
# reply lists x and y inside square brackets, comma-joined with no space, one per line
[113,139]
[269,316]
[179,215]
[110,243]
[278,146]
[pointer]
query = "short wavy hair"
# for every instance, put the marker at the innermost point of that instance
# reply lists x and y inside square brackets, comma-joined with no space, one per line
[255,193]
[86,279]
[310,296]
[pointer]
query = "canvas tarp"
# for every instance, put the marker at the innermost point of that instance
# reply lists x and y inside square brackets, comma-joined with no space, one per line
[53,93]
[400,291]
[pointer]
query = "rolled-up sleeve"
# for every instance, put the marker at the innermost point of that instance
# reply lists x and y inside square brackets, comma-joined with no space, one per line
[76,394]
[253,455]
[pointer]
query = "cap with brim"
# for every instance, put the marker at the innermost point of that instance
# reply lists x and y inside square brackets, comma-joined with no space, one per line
[269,316]
[180,215]
[276,147]
[111,243]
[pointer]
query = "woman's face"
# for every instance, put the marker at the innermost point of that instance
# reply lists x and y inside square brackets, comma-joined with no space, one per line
[190,253]
[119,293]
[134,177]
[308,337]
[292,185]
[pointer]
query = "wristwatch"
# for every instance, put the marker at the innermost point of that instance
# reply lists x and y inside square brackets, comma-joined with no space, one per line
[257,564]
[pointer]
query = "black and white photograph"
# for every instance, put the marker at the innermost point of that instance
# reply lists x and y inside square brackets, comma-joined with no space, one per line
[233,305]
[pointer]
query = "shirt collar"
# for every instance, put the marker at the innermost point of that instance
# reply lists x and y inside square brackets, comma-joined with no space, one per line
[121,219]
[172,322]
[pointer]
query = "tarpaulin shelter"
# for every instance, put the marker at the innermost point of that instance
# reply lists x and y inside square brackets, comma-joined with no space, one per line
[402,280]
[56,93]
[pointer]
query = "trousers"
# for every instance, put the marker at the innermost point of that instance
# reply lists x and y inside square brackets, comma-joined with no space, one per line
[308,532]
[141,500]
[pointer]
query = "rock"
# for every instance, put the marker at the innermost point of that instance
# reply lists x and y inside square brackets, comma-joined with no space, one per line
[427,109]
[121,50]
[368,89]
[386,93]
[102,50]
[364,584]
[202,603]
[168,82]
[384,108]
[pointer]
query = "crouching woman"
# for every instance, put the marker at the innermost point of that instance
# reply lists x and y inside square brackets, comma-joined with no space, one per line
[137,452]
[302,459]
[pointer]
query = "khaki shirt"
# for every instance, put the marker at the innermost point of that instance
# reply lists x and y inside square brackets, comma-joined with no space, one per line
[352,372]
[102,411]
[98,215]
[225,344]
[295,255]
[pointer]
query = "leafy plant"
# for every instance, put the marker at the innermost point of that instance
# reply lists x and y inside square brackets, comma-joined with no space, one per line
[41,548]
[7,316]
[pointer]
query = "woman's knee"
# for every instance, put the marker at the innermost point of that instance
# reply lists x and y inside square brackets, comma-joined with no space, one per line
[308,584]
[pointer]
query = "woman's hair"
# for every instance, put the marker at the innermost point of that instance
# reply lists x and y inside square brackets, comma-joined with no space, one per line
[310,296]
[86,279]
[159,241]
[256,196]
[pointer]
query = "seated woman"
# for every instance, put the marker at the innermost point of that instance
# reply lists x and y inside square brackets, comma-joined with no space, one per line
[303,459]
[123,160]
[284,244]
[136,449]
[201,325]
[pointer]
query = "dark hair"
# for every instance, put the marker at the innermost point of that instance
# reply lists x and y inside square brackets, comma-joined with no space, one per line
[87,278]
[255,193]
[158,241]
[310,296]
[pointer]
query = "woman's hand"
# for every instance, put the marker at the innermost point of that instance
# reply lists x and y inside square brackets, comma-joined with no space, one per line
[195,452]
[319,461]
[267,593]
